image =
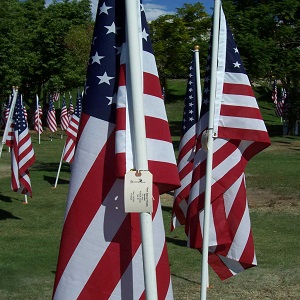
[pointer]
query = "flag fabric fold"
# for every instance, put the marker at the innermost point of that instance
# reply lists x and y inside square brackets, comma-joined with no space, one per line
[51,117]
[100,255]
[64,117]
[22,154]
[72,131]
[239,133]
[187,147]
[38,126]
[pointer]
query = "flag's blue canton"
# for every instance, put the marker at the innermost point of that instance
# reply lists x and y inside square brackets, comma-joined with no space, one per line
[190,112]
[78,107]
[103,70]
[147,45]
[19,118]
[63,101]
[233,60]
[51,106]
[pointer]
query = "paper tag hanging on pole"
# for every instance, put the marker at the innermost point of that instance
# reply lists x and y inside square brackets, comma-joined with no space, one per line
[138,191]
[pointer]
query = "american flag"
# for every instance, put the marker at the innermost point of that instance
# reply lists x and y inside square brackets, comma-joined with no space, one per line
[38,126]
[72,132]
[64,117]
[240,133]
[71,107]
[10,132]
[51,118]
[186,149]
[100,255]
[280,104]
[55,97]
[22,154]
[274,91]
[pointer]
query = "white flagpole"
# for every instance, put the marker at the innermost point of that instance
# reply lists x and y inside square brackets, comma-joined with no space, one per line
[198,81]
[25,199]
[9,119]
[207,201]
[139,134]
[59,167]
[199,102]
[38,113]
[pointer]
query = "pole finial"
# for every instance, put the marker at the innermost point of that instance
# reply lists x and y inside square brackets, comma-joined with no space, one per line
[197,48]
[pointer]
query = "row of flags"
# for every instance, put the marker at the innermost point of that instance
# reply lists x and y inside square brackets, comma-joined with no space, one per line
[19,142]
[100,254]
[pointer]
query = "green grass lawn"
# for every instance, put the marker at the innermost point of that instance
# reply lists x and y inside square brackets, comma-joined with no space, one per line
[30,234]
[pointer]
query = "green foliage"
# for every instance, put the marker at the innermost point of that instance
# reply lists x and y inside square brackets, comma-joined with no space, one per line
[174,36]
[35,51]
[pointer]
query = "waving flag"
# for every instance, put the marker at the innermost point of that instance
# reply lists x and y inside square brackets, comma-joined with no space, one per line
[64,117]
[22,154]
[38,127]
[240,133]
[100,255]
[51,118]
[187,149]
[72,132]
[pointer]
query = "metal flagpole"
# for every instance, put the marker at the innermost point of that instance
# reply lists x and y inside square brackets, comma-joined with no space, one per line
[207,201]
[9,119]
[139,134]
[59,167]
[199,102]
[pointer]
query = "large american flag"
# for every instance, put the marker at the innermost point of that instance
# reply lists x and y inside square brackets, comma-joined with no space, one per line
[22,154]
[51,117]
[240,133]
[64,117]
[100,255]
[38,126]
[72,131]
[187,147]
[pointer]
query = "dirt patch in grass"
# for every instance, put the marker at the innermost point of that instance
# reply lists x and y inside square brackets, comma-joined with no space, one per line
[5,171]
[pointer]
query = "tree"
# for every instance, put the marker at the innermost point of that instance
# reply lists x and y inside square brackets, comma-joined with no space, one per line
[174,36]
[268,37]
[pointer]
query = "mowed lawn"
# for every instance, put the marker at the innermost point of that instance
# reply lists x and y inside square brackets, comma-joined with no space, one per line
[30,234]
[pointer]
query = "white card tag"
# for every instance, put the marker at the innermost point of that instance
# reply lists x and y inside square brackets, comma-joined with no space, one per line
[138,191]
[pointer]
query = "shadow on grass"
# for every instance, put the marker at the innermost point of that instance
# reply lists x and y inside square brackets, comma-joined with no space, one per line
[185,279]
[50,167]
[7,215]
[5,198]
[51,180]
[177,242]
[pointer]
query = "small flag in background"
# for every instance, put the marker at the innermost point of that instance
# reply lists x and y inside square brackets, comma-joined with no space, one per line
[240,133]
[51,117]
[187,147]
[71,107]
[55,97]
[100,254]
[22,154]
[64,117]
[274,92]
[72,132]
[38,126]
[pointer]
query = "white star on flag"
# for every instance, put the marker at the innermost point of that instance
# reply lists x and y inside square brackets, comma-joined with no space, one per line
[104,78]
[96,58]
[104,9]
[112,28]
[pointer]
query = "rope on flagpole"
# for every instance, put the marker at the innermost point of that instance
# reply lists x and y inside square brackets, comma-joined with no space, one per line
[207,199]
[9,119]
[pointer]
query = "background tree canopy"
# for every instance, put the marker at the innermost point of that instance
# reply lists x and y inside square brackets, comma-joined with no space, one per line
[43,47]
